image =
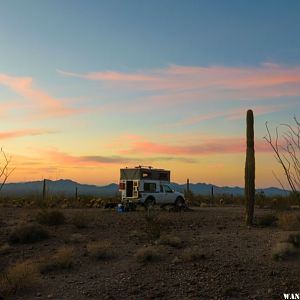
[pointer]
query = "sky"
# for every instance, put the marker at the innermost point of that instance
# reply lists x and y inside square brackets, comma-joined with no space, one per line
[89,87]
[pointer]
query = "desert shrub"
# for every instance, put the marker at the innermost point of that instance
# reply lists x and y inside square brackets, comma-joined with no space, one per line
[171,240]
[153,226]
[294,238]
[62,259]
[22,276]
[137,234]
[267,220]
[193,254]
[288,221]
[76,238]
[147,254]
[99,249]
[5,249]
[80,220]
[50,217]
[28,234]
[283,250]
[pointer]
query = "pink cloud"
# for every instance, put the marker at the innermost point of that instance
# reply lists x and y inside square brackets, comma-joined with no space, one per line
[23,133]
[207,147]
[46,104]
[175,78]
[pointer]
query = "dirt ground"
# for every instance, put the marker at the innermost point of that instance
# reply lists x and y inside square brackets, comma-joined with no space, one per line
[236,261]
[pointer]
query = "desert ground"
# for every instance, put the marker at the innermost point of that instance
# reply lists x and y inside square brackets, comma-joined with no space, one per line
[205,253]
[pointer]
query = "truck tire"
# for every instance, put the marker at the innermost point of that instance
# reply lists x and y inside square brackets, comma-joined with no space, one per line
[179,203]
[149,203]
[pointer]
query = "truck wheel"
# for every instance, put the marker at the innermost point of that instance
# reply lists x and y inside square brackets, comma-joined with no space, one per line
[149,203]
[179,203]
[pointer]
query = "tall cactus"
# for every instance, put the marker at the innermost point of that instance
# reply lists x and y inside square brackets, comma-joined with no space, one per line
[250,169]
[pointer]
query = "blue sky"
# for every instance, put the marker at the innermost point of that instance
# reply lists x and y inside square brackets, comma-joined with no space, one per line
[123,76]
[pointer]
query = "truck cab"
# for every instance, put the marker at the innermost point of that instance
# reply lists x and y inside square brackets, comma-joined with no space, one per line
[148,186]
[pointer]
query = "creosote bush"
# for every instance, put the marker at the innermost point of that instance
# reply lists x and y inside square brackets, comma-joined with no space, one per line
[147,254]
[30,233]
[153,226]
[267,220]
[171,240]
[80,220]
[288,221]
[21,276]
[193,254]
[99,249]
[62,259]
[50,217]
[5,249]
[283,250]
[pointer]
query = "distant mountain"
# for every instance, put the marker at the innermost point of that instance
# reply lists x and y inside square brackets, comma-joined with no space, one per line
[63,187]
[67,187]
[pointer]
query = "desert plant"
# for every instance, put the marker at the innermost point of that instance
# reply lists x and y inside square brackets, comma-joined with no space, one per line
[288,221]
[80,220]
[5,170]
[193,254]
[287,150]
[5,249]
[153,226]
[62,259]
[250,169]
[171,240]
[50,217]
[28,234]
[99,249]
[147,254]
[267,220]
[294,238]
[283,250]
[19,277]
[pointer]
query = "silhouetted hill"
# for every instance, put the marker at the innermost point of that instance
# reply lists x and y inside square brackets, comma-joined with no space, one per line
[67,187]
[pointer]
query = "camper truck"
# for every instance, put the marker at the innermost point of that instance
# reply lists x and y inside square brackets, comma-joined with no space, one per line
[148,186]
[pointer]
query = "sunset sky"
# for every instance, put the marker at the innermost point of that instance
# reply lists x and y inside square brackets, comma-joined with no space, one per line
[89,87]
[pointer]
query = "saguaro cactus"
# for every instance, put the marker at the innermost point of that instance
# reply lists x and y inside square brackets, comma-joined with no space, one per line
[250,169]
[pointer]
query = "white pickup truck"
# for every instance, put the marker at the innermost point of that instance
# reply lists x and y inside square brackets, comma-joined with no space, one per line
[148,186]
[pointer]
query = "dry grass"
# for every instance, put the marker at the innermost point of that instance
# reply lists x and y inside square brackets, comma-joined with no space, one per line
[50,217]
[171,240]
[267,220]
[153,226]
[283,250]
[5,249]
[147,254]
[99,249]
[288,221]
[63,259]
[137,234]
[22,276]
[76,238]
[193,254]
[292,238]
[28,234]
[80,220]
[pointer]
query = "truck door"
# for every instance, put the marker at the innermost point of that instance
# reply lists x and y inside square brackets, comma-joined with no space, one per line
[168,194]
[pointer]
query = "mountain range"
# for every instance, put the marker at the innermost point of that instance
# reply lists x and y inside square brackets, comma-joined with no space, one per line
[67,187]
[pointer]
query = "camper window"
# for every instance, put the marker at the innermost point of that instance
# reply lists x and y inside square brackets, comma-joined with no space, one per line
[150,187]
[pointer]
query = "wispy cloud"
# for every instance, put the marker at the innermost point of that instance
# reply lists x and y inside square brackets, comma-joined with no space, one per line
[208,146]
[46,104]
[23,133]
[230,114]
[179,84]
[67,159]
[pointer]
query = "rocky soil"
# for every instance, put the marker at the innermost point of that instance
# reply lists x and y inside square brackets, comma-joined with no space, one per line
[235,261]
